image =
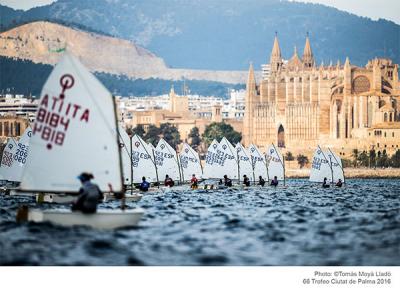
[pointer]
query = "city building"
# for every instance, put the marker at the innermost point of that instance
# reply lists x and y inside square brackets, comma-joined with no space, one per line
[298,105]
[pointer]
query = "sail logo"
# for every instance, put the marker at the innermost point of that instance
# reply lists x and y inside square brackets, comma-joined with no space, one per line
[215,146]
[137,144]
[55,114]
[136,156]
[29,134]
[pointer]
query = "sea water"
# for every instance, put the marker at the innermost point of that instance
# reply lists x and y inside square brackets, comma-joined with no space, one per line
[301,224]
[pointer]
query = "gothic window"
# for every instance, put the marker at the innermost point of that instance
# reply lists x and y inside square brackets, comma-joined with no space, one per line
[385,117]
[361,84]
[281,136]
[390,117]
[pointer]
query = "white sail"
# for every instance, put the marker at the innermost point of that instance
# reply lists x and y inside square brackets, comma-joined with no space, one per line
[125,147]
[75,131]
[244,160]
[20,156]
[142,161]
[166,161]
[211,166]
[7,159]
[320,167]
[190,163]
[336,163]
[227,155]
[275,163]
[258,163]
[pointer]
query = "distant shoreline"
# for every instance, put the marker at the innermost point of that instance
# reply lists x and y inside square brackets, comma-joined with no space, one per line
[364,173]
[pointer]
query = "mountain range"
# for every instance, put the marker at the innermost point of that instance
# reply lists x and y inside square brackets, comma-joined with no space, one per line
[223,35]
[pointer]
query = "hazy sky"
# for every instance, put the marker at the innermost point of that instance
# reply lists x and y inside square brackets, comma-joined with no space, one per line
[388,9]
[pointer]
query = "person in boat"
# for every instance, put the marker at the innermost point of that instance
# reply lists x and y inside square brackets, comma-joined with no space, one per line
[324,184]
[246,181]
[227,181]
[339,183]
[144,186]
[194,182]
[89,195]
[274,182]
[261,181]
[168,182]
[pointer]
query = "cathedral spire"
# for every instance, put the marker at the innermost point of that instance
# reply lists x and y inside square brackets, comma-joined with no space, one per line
[276,57]
[251,80]
[308,58]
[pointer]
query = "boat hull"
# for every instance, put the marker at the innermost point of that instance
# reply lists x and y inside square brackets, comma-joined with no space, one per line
[55,198]
[134,197]
[102,219]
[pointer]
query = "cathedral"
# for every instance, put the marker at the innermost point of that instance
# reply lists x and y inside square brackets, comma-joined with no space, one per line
[298,105]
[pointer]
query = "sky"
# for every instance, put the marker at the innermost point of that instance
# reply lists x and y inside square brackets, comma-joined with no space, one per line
[375,9]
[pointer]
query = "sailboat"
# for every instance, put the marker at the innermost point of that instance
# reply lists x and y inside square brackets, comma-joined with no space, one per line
[166,161]
[320,167]
[20,156]
[143,161]
[75,131]
[189,161]
[8,158]
[212,162]
[276,166]
[244,162]
[228,163]
[336,166]
[258,163]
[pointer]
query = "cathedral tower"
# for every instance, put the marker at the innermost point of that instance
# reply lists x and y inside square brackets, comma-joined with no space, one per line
[276,57]
[308,58]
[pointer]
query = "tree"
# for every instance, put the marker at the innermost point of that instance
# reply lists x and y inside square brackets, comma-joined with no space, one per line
[170,134]
[138,130]
[194,137]
[289,156]
[372,158]
[302,160]
[153,135]
[355,157]
[218,131]
[383,159]
[363,159]
[395,159]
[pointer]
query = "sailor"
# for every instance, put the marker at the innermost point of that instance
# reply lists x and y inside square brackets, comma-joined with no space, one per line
[168,182]
[246,181]
[261,181]
[89,195]
[144,186]
[339,183]
[194,182]
[227,181]
[325,185]
[274,181]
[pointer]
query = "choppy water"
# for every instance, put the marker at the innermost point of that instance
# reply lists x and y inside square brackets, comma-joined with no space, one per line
[298,225]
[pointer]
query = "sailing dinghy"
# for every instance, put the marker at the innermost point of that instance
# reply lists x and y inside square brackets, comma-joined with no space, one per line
[275,166]
[189,161]
[75,131]
[167,161]
[244,162]
[228,163]
[7,159]
[258,163]
[211,165]
[320,167]
[336,166]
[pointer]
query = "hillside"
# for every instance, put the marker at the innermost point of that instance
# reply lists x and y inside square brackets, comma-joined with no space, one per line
[25,77]
[228,34]
[40,41]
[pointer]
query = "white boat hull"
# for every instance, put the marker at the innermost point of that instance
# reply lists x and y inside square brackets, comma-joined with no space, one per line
[102,219]
[55,198]
[134,197]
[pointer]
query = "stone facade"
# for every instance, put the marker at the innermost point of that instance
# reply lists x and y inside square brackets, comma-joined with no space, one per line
[298,105]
